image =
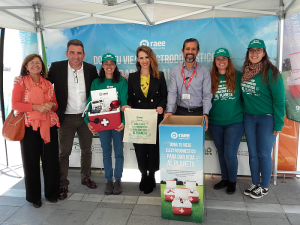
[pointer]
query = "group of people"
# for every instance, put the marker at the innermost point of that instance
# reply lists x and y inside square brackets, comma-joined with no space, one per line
[230,101]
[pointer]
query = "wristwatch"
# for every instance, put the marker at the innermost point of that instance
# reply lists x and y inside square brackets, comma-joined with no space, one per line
[54,105]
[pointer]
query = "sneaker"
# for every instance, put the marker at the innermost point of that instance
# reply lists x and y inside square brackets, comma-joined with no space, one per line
[259,192]
[221,184]
[109,188]
[117,187]
[251,188]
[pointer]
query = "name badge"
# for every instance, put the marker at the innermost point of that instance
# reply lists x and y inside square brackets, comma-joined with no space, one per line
[186,96]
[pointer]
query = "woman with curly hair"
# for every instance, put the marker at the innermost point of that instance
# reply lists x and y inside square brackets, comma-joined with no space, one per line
[226,117]
[147,89]
[263,93]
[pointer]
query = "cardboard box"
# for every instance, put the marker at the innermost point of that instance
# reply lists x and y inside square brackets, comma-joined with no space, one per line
[181,141]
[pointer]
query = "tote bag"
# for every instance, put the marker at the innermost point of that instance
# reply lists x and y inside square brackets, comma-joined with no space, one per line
[140,126]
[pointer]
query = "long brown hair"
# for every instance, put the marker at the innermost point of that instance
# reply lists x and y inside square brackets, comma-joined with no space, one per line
[154,72]
[266,65]
[27,59]
[230,76]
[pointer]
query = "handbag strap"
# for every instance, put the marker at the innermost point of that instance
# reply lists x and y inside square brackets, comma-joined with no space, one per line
[23,92]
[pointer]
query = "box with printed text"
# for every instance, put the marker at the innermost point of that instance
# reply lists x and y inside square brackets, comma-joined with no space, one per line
[181,144]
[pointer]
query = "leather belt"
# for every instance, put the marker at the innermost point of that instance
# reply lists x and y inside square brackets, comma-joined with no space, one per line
[197,109]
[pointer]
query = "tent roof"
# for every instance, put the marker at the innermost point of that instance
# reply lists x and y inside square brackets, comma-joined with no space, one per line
[57,14]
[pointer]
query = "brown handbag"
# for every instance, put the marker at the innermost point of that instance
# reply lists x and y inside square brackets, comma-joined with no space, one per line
[14,126]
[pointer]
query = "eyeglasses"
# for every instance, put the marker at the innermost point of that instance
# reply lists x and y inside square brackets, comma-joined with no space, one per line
[259,50]
[37,63]
[75,76]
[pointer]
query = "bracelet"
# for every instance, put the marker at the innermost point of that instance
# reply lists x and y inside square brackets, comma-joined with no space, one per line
[54,105]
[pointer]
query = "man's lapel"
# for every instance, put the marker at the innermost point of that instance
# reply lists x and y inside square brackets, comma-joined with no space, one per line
[87,82]
[64,76]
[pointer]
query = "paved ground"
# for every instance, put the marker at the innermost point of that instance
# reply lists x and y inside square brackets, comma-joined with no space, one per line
[86,206]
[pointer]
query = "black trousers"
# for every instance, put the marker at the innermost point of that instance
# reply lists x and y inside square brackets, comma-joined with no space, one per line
[147,156]
[33,149]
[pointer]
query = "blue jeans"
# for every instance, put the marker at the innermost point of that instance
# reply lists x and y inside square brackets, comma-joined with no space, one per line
[105,139]
[260,139]
[227,140]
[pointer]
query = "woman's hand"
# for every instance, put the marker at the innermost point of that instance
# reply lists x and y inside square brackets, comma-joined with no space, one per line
[125,107]
[206,124]
[159,110]
[41,108]
[124,77]
[49,105]
[91,128]
[276,132]
[121,127]
[168,114]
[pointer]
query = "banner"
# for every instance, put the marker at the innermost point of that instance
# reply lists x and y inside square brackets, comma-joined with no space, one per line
[166,40]
[291,66]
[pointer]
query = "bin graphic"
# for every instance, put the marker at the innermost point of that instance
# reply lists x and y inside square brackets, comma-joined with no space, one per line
[169,192]
[193,194]
[181,204]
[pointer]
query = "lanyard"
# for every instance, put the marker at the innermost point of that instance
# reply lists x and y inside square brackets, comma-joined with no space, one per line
[183,76]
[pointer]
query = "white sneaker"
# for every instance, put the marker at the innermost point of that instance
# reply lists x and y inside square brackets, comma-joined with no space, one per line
[250,189]
[259,192]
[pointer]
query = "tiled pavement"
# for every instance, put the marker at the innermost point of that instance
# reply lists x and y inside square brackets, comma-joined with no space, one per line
[86,206]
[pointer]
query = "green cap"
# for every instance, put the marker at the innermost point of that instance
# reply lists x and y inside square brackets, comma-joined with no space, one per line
[257,43]
[108,56]
[222,52]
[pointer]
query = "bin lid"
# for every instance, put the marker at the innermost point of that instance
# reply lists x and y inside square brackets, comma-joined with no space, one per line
[183,121]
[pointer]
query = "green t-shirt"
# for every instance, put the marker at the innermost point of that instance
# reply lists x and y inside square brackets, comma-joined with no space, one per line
[227,108]
[265,98]
[122,90]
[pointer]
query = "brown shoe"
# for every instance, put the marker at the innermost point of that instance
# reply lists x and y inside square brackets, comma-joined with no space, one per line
[117,187]
[89,183]
[63,193]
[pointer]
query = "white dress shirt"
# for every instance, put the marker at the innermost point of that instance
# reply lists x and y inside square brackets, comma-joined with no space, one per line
[76,91]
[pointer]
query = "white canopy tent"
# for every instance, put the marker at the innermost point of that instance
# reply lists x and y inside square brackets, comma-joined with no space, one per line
[36,15]
[56,14]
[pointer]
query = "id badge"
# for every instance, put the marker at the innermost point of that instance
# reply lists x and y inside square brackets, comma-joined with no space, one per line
[186,96]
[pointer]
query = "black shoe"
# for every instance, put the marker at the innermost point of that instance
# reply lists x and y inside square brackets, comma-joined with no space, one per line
[221,184]
[52,200]
[37,204]
[143,182]
[152,179]
[231,188]
[149,186]
[148,189]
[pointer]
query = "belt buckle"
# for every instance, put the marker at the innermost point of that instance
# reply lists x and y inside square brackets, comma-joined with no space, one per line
[190,110]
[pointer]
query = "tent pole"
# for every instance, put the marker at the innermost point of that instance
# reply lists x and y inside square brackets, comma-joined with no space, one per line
[279,65]
[39,29]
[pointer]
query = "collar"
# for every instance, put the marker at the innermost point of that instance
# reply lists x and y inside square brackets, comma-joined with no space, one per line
[193,65]
[73,69]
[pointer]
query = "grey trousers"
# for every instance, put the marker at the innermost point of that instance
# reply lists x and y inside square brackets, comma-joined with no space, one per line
[74,123]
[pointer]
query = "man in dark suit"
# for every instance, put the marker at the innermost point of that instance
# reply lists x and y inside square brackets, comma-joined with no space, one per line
[72,80]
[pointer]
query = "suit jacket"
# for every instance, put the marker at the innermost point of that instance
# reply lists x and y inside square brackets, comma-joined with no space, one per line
[157,93]
[58,75]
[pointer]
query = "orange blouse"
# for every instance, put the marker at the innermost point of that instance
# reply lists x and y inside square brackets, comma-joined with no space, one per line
[26,107]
